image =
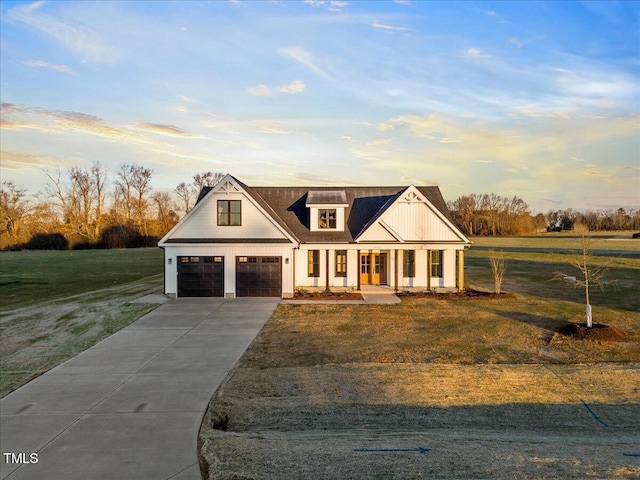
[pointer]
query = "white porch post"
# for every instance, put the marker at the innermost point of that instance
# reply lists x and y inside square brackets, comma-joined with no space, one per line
[396,273]
[461,270]
[428,269]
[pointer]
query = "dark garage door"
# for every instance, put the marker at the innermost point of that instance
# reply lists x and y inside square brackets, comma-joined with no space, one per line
[200,276]
[258,276]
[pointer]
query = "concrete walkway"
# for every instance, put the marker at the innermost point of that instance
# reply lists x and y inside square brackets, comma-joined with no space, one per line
[130,407]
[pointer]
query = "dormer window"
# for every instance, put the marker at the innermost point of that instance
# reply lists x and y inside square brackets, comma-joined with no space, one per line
[327,218]
[327,210]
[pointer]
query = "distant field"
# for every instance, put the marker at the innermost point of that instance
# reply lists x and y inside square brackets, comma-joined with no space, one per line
[532,263]
[561,241]
[36,276]
[55,304]
[442,387]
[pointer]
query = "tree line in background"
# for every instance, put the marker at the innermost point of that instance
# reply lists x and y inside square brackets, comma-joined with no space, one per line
[491,214]
[94,208]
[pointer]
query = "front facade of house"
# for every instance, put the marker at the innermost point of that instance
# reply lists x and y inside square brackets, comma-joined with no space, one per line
[241,241]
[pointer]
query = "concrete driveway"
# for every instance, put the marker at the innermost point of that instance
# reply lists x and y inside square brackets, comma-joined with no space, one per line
[130,407]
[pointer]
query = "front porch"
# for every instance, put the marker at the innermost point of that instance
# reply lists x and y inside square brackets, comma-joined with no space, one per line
[412,268]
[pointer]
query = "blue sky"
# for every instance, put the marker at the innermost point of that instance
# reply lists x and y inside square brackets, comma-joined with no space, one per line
[535,99]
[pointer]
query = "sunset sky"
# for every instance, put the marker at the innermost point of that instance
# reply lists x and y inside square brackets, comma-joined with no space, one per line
[539,100]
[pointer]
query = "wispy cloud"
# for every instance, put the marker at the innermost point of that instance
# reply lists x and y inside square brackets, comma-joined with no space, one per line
[474,52]
[260,91]
[13,160]
[297,86]
[235,126]
[16,117]
[168,130]
[331,5]
[384,26]
[300,55]
[78,38]
[44,64]
[535,112]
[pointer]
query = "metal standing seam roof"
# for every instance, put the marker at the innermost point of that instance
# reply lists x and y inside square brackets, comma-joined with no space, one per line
[288,207]
[329,197]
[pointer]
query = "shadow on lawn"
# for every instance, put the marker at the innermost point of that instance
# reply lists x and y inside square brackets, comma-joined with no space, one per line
[551,324]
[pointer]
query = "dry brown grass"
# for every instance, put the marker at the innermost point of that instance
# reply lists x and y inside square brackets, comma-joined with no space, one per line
[518,329]
[489,386]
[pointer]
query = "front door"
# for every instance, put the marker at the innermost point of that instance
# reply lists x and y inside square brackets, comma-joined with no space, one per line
[373,268]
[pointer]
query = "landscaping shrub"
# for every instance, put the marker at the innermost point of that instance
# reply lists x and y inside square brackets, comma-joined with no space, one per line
[85,246]
[47,241]
[143,241]
[119,236]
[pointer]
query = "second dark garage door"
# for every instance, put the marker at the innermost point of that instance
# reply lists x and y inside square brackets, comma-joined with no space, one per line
[258,276]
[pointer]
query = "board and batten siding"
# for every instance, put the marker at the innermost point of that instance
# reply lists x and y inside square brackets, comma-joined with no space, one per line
[229,252]
[255,224]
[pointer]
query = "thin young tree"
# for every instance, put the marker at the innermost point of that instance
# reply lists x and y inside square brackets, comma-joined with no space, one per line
[498,268]
[591,275]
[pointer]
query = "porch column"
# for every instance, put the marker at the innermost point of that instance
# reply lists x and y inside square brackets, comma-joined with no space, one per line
[326,271]
[396,270]
[358,270]
[293,262]
[461,270]
[428,269]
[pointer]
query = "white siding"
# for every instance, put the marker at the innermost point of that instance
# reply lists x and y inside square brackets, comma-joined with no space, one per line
[203,222]
[229,252]
[302,273]
[377,233]
[417,222]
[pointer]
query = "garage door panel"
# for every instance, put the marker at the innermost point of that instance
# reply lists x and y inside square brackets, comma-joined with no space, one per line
[200,276]
[258,276]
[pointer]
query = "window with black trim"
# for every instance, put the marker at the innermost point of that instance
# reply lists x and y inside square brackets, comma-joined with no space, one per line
[313,263]
[341,263]
[409,263]
[436,263]
[327,218]
[229,213]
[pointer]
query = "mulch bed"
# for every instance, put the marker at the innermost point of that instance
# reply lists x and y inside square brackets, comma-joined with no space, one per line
[466,294]
[329,296]
[597,332]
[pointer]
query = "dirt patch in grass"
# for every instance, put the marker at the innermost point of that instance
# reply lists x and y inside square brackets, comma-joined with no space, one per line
[599,332]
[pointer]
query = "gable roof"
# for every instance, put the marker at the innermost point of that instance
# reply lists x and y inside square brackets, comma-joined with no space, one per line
[288,207]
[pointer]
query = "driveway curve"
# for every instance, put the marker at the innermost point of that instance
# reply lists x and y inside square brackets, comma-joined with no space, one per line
[130,407]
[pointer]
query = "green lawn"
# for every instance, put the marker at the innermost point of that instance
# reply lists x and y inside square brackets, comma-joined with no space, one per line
[29,277]
[533,262]
[56,304]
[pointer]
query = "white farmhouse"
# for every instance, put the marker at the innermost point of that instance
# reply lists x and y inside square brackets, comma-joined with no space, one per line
[241,241]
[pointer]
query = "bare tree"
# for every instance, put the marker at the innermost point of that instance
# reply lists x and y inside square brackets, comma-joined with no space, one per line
[133,186]
[13,209]
[165,211]
[206,179]
[185,194]
[498,269]
[188,192]
[591,276]
[80,198]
